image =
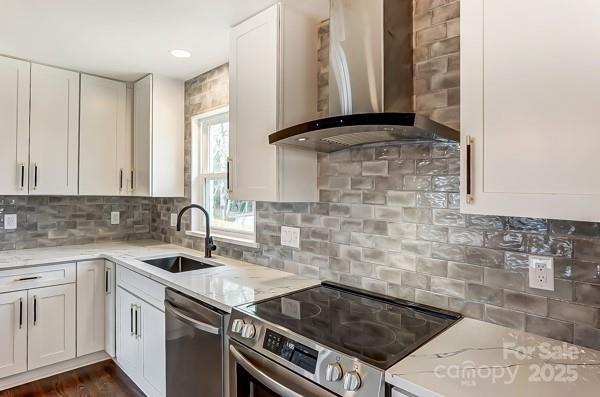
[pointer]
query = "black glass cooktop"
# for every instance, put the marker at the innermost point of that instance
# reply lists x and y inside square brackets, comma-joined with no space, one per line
[371,327]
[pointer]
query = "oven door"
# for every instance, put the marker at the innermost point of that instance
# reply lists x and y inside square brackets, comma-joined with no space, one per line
[253,375]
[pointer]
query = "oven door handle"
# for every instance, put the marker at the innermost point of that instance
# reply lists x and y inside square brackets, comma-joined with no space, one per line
[263,378]
[190,321]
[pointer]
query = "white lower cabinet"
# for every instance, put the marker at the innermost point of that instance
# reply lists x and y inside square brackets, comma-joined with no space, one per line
[91,290]
[152,343]
[140,349]
[128,349]
[109,309]
[51,325]
[13,333]
[98,307]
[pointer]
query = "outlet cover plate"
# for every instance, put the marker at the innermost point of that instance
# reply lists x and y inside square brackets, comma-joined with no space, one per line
[173,220]
[290,236]
[115,218]
[541,272]
[10,221]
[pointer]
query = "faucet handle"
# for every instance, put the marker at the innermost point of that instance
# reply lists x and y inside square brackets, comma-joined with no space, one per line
[211,244]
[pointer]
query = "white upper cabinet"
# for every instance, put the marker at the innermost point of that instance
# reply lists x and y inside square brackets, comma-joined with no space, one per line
[530,94]
[14,126]
[54,131]
[263,98]
[158,137]
[105,167]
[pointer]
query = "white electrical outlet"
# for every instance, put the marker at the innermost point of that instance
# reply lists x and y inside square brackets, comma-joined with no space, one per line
[10,221]
[114,218]
[541,272]
[173,220]
[290,236]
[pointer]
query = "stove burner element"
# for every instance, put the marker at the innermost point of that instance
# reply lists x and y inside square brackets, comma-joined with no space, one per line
[365,334]
[299,310]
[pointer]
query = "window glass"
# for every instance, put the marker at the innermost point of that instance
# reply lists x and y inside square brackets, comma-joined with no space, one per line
[209,180]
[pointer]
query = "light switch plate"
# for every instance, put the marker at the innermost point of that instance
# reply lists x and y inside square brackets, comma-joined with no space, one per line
[10,221]
[173,220]
[115,218]
[541,272]
[290,236]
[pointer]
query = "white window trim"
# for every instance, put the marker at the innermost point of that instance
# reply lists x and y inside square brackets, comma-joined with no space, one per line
[231,238]
[247,239]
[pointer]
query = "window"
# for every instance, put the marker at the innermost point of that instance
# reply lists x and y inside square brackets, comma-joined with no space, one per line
[210,150]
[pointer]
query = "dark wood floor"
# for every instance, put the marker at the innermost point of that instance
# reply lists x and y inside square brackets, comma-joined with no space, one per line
[97,380]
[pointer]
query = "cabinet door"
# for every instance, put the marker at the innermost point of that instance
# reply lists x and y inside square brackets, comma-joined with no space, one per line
[54,131]
[91,286]
[253,68]
[13,333]
[142,136]
[14,126]
[51,325]
[152,336]
[109,309]
[103,126]
[530,106]
[128,347]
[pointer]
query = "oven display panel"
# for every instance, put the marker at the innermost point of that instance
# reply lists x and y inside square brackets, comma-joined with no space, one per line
[294,352]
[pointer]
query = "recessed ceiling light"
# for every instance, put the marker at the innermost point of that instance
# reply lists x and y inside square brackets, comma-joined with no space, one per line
[181,53]
[302,139]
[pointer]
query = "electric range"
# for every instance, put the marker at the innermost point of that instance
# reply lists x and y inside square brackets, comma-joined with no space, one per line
[331,340]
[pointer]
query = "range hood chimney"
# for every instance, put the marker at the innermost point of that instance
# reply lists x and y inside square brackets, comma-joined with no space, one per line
[370,82]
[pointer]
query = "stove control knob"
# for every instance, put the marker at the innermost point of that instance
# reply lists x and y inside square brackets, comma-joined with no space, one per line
[237,325]
[334,372]
[248,331]
[352,381]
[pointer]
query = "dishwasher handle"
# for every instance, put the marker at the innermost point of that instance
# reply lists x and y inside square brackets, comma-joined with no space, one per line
[261,376]
[211,329]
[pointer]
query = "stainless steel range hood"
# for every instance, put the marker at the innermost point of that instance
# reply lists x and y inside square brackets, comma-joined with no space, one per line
[370,82]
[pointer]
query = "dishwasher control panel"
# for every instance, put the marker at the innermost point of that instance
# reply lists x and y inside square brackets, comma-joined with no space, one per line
[292,351]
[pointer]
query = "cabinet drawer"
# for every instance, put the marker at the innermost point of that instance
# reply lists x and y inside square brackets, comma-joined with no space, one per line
[37,276]
[141,286]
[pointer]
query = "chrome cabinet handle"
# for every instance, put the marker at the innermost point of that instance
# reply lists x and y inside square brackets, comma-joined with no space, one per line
[20,313]
[35,309]
[211,329]
[22,176]
[121,180]
[469,197]
[131,320]
[28,278]
[272,384]
[138,319]
[131,181]
[229,166]
[107,286]
[35,176]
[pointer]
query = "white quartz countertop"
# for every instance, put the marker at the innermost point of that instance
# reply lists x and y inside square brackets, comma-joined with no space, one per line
[474,358]
[232,284]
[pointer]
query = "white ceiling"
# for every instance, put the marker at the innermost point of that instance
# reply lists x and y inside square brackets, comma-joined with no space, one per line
[124,39]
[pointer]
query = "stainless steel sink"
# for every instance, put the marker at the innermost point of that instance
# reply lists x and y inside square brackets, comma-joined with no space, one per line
[178,264]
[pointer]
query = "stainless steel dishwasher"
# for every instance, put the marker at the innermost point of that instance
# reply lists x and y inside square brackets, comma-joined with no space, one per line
[194,343]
